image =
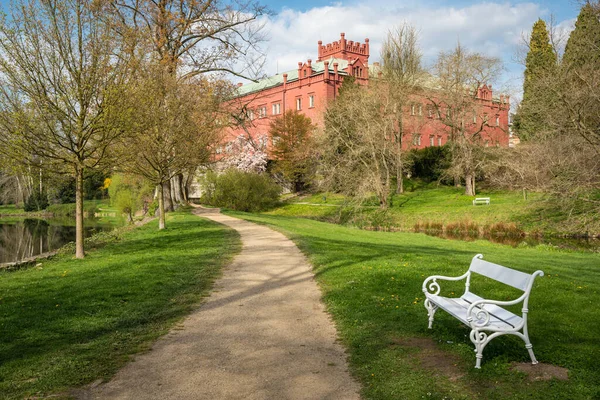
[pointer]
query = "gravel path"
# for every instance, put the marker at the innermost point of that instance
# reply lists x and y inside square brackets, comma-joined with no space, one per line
[262,334]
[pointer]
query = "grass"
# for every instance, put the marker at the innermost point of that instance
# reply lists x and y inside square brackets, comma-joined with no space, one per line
[431,204]
[371,283]
[68,322]
[8,209]
[90,207]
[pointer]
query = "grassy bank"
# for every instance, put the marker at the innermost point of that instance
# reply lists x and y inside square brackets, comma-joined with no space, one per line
[372,286]
[69,322]
[443,206]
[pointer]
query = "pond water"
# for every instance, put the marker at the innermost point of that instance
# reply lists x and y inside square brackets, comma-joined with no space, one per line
[24,238]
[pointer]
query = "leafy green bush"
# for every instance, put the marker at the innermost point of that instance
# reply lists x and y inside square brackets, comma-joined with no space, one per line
[241,191]
[429,163]
[38,201]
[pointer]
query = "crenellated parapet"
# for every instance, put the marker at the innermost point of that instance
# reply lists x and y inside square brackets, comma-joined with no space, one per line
[345,49]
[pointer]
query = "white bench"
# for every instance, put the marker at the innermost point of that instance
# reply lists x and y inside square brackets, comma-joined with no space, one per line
[481,200]
[480,314]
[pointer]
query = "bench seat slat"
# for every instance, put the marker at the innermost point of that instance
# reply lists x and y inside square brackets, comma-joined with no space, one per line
[500,318]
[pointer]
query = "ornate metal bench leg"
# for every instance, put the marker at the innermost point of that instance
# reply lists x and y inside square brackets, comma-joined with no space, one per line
[479,339]
[529,348]
[528,344]
[431,309]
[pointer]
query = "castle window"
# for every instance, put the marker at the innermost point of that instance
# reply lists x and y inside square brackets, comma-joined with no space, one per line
[276,109]
[474,117]
[305,73]
[250,114]
[431,140]
[299,104]
[412,109]
[430,111]
[416,139]
[262,112]
[420,109]
[311,101]
[439,113]
[439,140]
[497,121]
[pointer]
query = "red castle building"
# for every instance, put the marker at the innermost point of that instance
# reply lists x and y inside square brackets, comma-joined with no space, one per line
[311,87]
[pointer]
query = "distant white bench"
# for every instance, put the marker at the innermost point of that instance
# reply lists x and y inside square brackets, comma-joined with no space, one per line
[481,200]
[479,313]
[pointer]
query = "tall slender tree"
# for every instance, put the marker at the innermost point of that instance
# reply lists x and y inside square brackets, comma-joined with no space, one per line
[403,73]
[538,97]
[58,61]
[580,78]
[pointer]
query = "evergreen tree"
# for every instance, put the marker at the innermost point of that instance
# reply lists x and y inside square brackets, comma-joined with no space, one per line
[583,46]
[538,98]
[580,78]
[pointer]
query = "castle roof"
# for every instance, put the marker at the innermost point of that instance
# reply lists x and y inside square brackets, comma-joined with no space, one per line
[317,66]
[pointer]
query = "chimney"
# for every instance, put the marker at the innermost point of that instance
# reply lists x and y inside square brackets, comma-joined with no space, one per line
[309,62]
[299,68]
[343,42]
[326,70]
[240,84]
[367,45]
[335,71]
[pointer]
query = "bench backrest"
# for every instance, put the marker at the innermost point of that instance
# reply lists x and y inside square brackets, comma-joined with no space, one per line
[508,276]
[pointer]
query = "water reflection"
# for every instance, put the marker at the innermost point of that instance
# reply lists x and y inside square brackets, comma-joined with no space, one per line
[29,237]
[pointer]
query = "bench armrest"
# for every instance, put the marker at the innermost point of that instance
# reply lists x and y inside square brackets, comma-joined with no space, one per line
[430,285]
[483,315]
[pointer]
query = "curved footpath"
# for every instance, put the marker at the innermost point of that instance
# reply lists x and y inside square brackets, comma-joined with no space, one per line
[262,334]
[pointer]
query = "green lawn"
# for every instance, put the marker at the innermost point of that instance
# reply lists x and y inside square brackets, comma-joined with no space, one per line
[371,282]
[69,322]
[7,209]
[445,205]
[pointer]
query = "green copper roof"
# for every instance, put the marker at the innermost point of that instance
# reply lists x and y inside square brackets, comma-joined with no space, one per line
[292,75]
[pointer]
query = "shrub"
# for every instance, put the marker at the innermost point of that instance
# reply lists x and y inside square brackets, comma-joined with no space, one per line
[241,191]
[38,201]
[429,163]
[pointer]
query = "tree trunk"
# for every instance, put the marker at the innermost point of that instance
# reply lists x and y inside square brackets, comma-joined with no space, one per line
[400,181]
[469,184]
[161,207]
[166,196]
[79,252]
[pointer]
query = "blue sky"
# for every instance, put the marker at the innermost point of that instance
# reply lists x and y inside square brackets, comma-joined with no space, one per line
[495,28]
[492,27]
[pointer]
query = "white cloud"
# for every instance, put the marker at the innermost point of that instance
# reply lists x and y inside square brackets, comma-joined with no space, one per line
[495,29]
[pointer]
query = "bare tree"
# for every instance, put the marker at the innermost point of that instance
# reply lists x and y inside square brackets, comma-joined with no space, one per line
[403,73]
[357,146]
[58,59]
[459,77]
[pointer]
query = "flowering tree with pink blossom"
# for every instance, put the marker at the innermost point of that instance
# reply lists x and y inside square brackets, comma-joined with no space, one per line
[246,155]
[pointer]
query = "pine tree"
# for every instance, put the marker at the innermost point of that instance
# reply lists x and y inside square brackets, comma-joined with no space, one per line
[580,78]
[540,67]
[583,46]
